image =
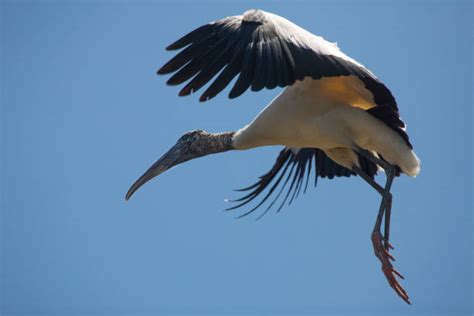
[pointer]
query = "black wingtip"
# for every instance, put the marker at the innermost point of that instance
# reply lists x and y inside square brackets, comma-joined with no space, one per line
[185,91]
[234,94]
[162,71]
[204,98]
[172,47]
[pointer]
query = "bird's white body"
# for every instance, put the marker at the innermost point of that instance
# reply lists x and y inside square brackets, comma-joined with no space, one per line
[330,114]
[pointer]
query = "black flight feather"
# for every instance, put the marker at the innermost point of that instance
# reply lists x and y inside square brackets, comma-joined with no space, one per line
[296,166]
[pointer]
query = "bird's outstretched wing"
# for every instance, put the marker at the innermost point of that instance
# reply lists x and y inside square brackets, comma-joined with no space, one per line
[293,167]
[266,51]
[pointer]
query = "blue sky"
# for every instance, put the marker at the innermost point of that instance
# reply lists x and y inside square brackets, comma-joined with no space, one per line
[83,114]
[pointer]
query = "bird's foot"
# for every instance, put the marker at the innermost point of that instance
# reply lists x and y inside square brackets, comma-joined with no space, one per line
[381,249]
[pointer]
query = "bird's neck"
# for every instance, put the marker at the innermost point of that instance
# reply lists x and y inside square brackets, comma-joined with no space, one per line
[213,143]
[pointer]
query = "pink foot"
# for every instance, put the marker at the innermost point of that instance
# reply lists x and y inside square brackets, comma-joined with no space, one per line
[381,249]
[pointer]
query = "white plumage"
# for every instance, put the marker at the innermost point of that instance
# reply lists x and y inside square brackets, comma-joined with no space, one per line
[328,114]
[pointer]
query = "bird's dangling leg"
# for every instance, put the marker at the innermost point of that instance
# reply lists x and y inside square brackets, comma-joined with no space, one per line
[381,243]
[388,209]
[386,230]
[380,190]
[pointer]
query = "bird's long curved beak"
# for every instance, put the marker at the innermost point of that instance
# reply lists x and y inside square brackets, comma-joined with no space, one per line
[171,158]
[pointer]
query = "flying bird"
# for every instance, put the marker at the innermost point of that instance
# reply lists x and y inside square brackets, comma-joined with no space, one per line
[333,112]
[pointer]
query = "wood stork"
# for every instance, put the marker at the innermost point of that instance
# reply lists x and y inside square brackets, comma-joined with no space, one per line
[333,111]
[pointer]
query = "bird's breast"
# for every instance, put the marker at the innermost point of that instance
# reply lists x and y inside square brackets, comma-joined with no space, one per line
[297,117]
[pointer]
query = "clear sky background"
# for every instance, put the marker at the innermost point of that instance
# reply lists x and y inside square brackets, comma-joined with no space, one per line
[83,115]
